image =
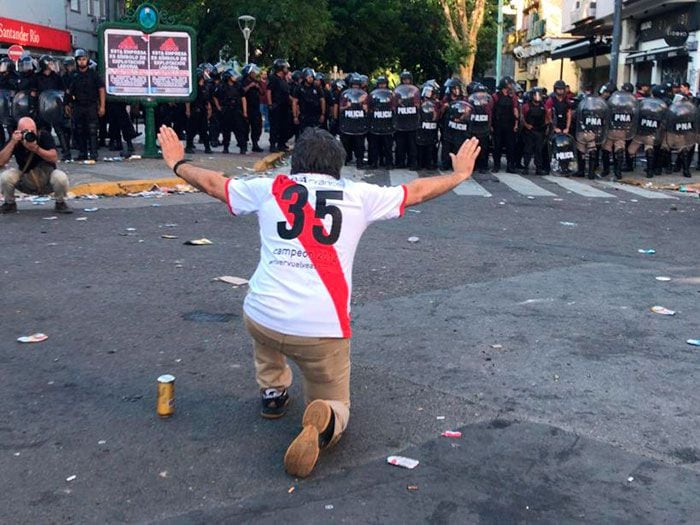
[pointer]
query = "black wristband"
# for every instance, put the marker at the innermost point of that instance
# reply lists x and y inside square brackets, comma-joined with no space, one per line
[178,164]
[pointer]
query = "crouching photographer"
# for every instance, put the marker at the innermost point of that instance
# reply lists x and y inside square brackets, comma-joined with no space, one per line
[36,173]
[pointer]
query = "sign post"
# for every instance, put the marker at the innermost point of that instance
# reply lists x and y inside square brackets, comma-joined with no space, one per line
[145,61]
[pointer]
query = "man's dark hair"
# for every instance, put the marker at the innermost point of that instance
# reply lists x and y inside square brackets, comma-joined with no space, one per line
[317,151]
[685,84]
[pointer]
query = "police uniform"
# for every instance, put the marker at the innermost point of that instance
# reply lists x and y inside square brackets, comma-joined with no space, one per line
[84,90]
[230,97]
[279,112]
[535,115]
[252,90]
[198,122]
[309,98]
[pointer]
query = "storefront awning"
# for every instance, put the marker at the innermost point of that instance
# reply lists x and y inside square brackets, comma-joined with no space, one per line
[582,48]
[655,54]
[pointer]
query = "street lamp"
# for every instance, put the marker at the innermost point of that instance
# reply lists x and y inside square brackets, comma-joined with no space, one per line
[247,24]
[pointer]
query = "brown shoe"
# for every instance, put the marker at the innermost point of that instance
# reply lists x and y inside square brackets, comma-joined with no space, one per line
[302,454]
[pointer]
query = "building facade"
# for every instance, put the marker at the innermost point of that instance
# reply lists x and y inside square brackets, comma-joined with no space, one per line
[538,33]
[55,27]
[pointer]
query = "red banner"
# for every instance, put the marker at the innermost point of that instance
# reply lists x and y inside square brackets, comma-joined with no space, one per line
[33,35]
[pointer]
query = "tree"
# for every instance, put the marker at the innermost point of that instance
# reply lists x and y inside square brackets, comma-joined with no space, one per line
[464,19]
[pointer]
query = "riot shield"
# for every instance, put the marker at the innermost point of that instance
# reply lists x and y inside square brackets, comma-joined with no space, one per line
[51,107]
[381,116]
[651,118]
[592,119]
[406,104]
[562,154]
[352,112]
[681,125]
[5,107]
[457,122]
[427,133]
[479,124]
[21,105]
[622,117]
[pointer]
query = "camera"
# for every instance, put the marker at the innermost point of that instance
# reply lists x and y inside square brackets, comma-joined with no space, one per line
[28,136]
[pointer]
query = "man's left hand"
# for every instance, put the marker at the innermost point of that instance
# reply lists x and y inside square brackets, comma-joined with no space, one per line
[101,111]
[170,145]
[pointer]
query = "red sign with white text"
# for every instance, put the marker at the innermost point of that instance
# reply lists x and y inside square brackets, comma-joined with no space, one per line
[33,35]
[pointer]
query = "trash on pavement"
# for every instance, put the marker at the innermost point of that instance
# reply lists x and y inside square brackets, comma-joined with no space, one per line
[647,251]
[567,223]
[693,342]
[131,229]
[165,405]
[329,507]
[663,278]
[89,210]
[229,279]
[413,210]
[497,347]
[52,218]
[81,219]
[291,489]
[34,338]
[168,236]
[198,242]
[413,239]
[163,474]
[451,434]
[630,479]
[662,311]
[440,417]
[102,442]
[412,487]
[401,461]
[71,478]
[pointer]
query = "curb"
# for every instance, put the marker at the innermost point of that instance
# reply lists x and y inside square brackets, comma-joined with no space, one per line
[123,187]
[268,162]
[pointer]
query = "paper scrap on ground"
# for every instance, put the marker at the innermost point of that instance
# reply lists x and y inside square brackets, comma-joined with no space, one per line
[567,223]
[168,236]
[693,342]
[451,434]
[647,252]
[81,219]
[230,279]
[401,461]
[413,239]
[662,311]
[34,338]
[198,242]
[53,218]
[663,278]
[89,210]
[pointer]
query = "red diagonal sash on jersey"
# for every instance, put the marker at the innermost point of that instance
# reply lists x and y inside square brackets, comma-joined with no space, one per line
[323,256]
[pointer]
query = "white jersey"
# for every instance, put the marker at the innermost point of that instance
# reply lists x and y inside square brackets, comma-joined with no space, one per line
[310,225]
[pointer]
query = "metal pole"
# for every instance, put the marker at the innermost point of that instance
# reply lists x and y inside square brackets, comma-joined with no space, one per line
[561,69]
[246,49]
[499,40]
[150,151]
[616,37]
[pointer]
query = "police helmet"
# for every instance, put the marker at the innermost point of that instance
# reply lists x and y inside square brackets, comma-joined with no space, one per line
[608,87]
[69,62]
[308,72]
[559,84]
[45,62]
[339,85]
[364,80]
[25,65]
[658,91]
[535,94]
[381,79]
[480,88]
[249,69]
[80,53]
[503,83]
[228,74]
[280,64]
[355,79]
[320,76]
[296,76]
[406,75]
[6,65]
[627,86]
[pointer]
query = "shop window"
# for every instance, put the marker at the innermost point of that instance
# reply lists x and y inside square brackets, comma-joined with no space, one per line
[75,6]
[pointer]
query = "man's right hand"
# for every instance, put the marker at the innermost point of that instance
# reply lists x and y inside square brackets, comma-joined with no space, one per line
[463,162]
[16,136]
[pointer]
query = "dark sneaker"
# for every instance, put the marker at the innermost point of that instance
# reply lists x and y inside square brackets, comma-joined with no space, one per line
[274,403]
[8,207]
[318,425]
[190,150]
[256,149]
[62,207]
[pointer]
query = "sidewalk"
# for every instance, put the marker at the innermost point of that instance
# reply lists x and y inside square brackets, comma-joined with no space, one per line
[118,177]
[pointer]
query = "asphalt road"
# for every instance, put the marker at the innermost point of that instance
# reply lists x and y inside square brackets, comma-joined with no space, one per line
[532,337]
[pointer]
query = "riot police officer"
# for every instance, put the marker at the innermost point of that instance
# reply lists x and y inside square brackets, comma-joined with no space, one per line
[681,132]
[505,124]
[406,121]
[50,89]
[353,122]
[233,109]
[453,134]
[559,109]
[480,121]
[591,128]
[253,91]
[198,113]
[621,126]
[8,86]
[279,105]
[86,91]
[381,125]
[650,129]
[308,102]
[427,133]
[535,123]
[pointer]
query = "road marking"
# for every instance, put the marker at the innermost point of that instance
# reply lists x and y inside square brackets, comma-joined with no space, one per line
[647,194]
[399,177]
[578,187]
[471,188]
[523,185]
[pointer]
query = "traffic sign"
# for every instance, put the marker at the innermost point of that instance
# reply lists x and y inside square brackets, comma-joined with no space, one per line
[15,52]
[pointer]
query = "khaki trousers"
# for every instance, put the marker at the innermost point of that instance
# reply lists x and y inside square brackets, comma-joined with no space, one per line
[10,177]
[324,364]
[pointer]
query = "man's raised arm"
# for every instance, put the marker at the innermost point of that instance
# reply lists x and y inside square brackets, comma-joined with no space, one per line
[422,190]
[211,182]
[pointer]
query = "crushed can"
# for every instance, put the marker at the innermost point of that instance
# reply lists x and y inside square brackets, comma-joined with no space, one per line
[165,406]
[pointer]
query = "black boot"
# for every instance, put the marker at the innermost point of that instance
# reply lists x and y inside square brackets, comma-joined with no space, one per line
[581,159]
[65,146]
[93,147]
[606,163]
[129,146]
[591,165]
[618,160]
[649,154]
[526,165]
[686,159]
